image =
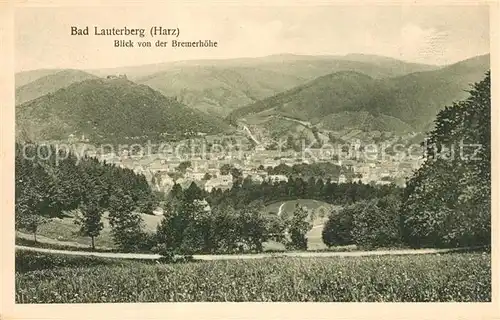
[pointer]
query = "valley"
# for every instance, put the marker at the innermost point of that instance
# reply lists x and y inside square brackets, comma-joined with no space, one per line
[329,119]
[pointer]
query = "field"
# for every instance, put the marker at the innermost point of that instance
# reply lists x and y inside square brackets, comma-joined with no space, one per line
[64,231]
[42,278]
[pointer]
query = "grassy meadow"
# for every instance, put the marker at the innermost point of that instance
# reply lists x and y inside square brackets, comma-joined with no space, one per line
[65,231]
[42,278]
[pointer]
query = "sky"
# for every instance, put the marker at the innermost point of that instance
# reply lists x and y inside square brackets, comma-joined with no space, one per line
[424,34]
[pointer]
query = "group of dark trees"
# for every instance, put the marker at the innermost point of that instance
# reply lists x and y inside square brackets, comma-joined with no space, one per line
[447,202]
[367,223]
[197,221]
[240,195]
[192,225]
[50,182]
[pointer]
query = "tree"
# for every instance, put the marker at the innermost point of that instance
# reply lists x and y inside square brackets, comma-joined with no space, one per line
[185,228]
[169,233]
[147,204]
[447,201]
[90,220]
[338,227]
[207,176]
[50,181]
[183,166]
[298,228]
[237,175]
[33,195]
[196,235]
[252,226]
[193,192]
[225,169]
[223,233]
[30,221]
[290,142]
[126,225]
[176,191]
[277,227]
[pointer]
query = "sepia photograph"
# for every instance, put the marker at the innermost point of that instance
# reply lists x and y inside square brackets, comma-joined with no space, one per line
[252,153]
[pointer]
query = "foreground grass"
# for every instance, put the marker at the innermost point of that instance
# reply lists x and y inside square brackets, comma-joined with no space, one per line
[42,278]
[56,246]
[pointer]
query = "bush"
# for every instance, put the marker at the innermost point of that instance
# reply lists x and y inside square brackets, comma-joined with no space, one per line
[376,223]
[166,253]
[337,229]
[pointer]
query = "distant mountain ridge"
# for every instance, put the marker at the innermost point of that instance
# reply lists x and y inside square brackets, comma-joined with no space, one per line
[228,85]
[140,71]
[219,90]
[407,102]
[222,86]
[25,77]
[355,91]
[47,82]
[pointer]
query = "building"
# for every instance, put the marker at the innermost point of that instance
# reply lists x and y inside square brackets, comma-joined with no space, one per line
[222,182]
[120,76]
[256,178]
[194,175]
[158,211]
[260,148]
[342,179]
[277,178]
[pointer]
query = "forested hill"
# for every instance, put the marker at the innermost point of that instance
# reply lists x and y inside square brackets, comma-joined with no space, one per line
[109,110]
[353,100]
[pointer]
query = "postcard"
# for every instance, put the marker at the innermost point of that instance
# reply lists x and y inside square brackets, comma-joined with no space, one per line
[249,160]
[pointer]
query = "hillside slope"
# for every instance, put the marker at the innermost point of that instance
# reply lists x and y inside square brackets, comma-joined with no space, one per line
[25,77]
[417,98]
[219,90]
[50,83]
[325,95]
[104,109]
[357,101]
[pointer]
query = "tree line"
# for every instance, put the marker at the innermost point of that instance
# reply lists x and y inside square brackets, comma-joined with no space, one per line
[50,182]
[247,191]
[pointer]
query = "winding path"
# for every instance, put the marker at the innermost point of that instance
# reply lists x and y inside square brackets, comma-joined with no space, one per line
[280,209]
[251,135]
[144,256]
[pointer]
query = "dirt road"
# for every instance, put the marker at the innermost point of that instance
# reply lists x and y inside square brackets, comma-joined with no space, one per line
[246,256]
